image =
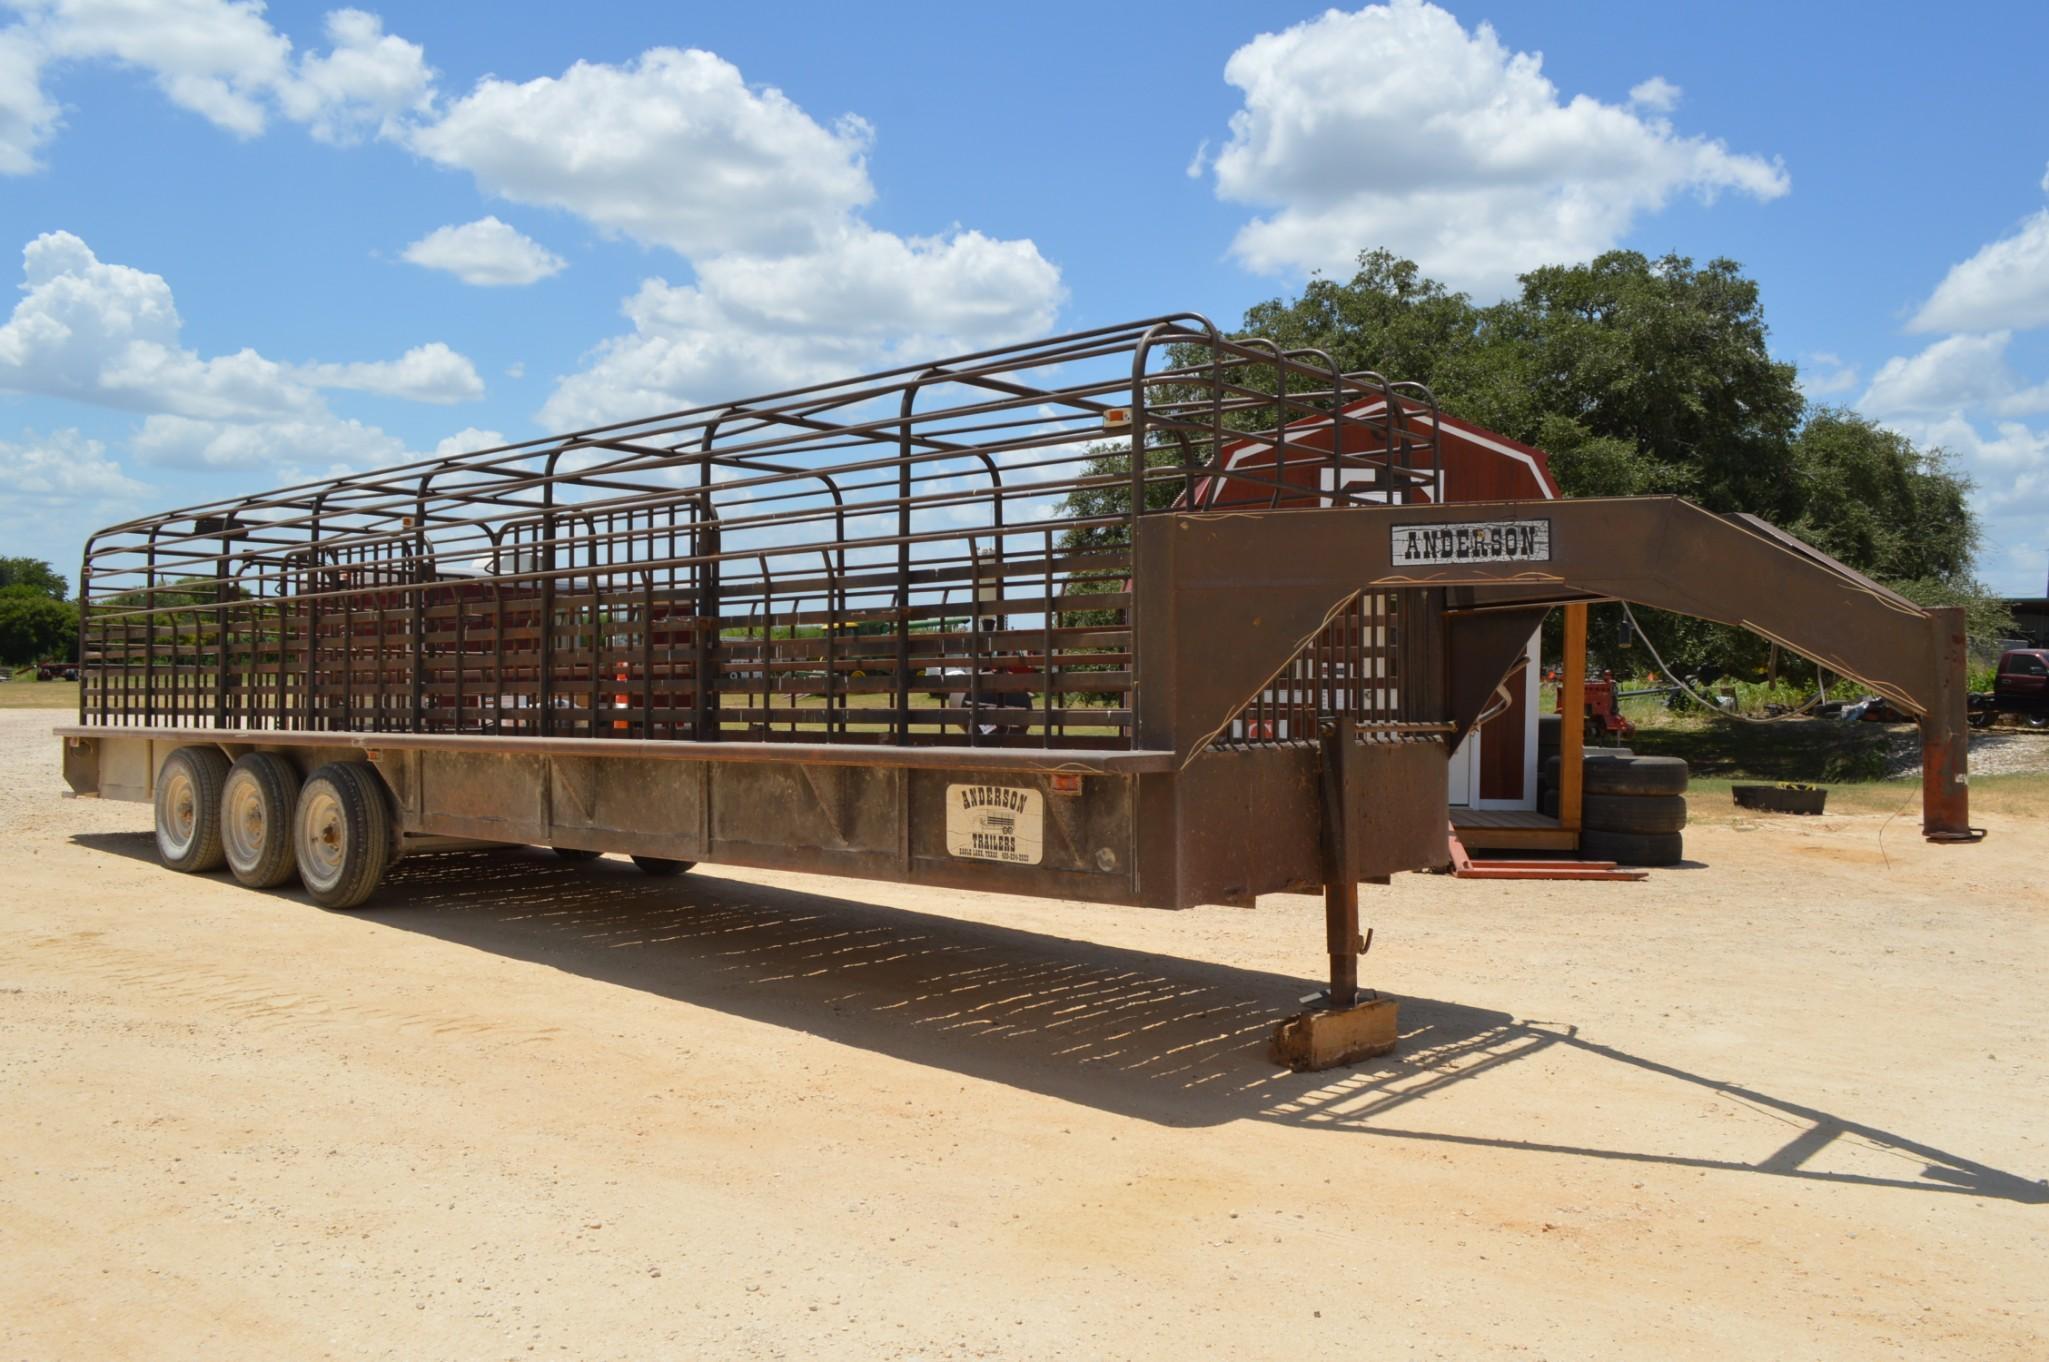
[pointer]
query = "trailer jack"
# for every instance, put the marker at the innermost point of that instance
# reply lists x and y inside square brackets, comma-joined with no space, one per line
[1344,1023]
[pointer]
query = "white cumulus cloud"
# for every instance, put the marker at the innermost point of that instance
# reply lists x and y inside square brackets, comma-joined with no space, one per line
[755,324]
[1394,126]
[425,373]
[674,149]
[1952,373]
[59,486]
[467,441]
[288,447]
[220,59]
[486,252]
[1959,394]
[63,468]
[1656,94]
[109,335]
[28,116]
[2003,286]
[364,85]
[1827,375]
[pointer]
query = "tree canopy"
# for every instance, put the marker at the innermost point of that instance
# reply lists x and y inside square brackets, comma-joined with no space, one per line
[34,574]
[1642,376]
[35,627]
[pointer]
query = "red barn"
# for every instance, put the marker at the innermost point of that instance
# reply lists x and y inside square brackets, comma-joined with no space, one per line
[1494,772]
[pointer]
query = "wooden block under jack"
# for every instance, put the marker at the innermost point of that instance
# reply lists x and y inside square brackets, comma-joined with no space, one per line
[1327,1038]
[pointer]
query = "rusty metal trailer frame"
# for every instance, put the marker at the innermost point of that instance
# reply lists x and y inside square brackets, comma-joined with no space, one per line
[704,637]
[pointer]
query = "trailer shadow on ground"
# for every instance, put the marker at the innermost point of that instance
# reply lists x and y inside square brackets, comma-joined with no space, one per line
[1164,1039]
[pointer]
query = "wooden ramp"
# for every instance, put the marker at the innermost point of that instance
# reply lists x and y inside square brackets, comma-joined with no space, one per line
[1513,830]
[1464,867]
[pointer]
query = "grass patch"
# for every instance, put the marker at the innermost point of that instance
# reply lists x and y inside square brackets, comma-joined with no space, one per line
[39,695]
[2021,796]
[1823,751]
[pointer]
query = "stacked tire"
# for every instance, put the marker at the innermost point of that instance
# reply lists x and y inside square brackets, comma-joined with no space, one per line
[1633,809]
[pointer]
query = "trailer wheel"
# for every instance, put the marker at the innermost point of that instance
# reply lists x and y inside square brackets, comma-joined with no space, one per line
[1633,813]
[188,809]
[576,853]
[662,866]
[342,834]
[1633,848]
[259,804]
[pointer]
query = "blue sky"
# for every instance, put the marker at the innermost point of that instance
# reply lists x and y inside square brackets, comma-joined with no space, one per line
[253,244]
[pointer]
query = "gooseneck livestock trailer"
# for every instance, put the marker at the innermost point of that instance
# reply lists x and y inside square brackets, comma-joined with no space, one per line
[935,625]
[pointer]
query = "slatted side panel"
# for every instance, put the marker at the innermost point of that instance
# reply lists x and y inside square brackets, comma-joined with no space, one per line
[1353,666]
[1030,649]
[934,554]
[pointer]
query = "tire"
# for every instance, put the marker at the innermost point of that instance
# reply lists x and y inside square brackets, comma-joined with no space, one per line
[188,809]
[576,854]
[1547,803]
[1635,776]
[1633,848]
[1633,813]
[1554,763]
[342,834]
[259,807]
[661,866]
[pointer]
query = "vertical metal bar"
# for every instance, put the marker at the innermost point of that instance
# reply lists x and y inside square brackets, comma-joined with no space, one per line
[348,653]
[974,693]
[220,635]
[1341,877]
[1572,707]
[375,656]
[647,646]
[1046,651]
[544,696]
[901,726]
[707,632]
[149,642]
[416,617]
[600,545]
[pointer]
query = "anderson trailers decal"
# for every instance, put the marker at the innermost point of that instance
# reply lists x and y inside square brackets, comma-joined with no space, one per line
[1486,541]
[995,823]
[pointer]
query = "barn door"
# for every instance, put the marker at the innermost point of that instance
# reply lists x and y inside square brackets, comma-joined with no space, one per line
[1496,766]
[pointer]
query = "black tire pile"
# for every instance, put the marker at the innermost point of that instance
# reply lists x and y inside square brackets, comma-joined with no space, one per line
[1632,809]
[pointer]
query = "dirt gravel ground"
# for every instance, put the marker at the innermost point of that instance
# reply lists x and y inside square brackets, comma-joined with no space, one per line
[1786,1103]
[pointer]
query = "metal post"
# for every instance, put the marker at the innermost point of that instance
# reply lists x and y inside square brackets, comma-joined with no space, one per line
[1340,873]
[1572,719]
[1945,735]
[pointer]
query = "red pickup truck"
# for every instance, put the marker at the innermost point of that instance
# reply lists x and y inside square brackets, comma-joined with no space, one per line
[2020,690]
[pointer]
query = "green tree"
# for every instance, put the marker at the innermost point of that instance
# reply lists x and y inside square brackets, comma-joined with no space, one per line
[35,626]
[1657,357]
[35,574]
[1644,376]
[1869,497]
[1388,318]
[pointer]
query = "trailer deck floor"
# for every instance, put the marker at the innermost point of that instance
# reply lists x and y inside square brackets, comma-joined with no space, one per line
[1781,1102]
